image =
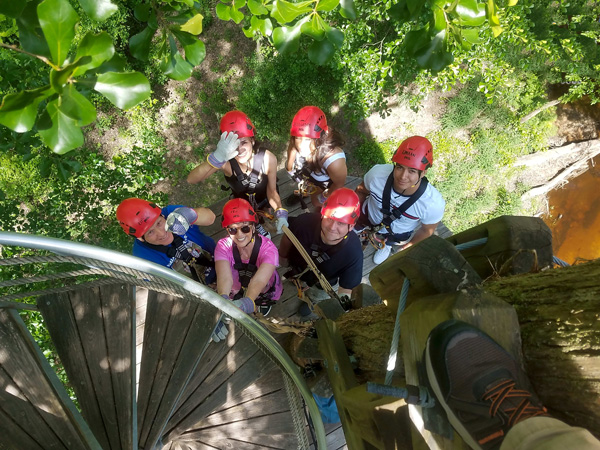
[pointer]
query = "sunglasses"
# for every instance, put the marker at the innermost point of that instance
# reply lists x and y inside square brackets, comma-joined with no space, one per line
[233,230]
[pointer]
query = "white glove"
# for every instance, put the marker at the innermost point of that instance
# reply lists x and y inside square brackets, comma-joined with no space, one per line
[227,148]
[180,219]
[221,331]
[282,219]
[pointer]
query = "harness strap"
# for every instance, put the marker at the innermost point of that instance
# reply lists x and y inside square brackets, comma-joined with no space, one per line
[251,181]
[388,215]
[320,255]
[180,250]
[247,270]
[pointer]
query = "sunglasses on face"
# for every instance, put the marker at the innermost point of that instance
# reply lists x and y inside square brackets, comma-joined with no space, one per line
[233,230]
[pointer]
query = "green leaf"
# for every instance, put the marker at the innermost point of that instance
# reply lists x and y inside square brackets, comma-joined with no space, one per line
[287,39]
[114,64]
[470,13]
[490,12]
[347,10]
[285,12]
[58,19]
[414,7]
[257,8]
[433,55]
[177,68]
[223,11]
[416,40]
[194,25]
[124,90]
[58,78]
[512,2]
[399,11]
[321,52]
[97,46]
[314,28]
[60,132]
[194,48]
[439,19]
[45,166]
[237,4]
[236,16]
[335,36]
[142,12]
[77,107]
[139,45]
[98,10]
[266,27]
[471,35]
[30,33]
[18,111]
[327,5]
[12,8]
[63,171]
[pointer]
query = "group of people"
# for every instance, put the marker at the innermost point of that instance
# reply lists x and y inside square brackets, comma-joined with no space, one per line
[394,200]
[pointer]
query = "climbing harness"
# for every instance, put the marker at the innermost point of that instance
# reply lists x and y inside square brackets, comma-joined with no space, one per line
[247,270]
[388,215]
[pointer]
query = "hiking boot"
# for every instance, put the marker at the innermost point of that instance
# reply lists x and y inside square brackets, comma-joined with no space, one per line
[261,230]
[479,384]
[382,254]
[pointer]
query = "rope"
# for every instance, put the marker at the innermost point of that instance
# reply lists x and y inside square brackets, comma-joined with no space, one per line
[396,336]
[559,262]
[322,280]
[414,395]
[471,244]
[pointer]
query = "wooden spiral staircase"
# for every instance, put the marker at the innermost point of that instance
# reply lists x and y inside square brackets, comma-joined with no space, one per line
[136,347]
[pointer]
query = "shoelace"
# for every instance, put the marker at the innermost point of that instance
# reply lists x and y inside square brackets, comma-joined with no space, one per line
[517,405]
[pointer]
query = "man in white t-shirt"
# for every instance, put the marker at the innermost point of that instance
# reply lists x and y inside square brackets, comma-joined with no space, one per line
[398,198]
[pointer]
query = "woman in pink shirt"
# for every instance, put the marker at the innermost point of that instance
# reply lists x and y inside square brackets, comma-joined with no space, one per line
[246,262]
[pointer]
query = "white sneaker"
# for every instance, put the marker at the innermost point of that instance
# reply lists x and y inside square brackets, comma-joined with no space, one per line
[381,255]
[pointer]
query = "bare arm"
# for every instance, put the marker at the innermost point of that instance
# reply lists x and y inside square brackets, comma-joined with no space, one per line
[205,216]
[422,233]
[362,192]
[224,277]
[272,194]
[201,173]
[291,157]
[337,172]
[260,279]
[344,291]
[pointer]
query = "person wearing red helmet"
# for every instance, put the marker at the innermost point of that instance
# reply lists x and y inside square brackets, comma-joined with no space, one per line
[327,237]
[246,262]
[315,155]
[249,169]
[170,236]
[399,200]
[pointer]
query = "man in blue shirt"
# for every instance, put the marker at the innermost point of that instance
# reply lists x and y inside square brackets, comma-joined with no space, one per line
[170,236]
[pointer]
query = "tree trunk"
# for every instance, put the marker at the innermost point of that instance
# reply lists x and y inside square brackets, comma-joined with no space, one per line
[559,314]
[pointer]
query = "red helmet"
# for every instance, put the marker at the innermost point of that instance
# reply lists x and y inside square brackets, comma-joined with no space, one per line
[415,152]
[237,122]
[136,216]
[342,205]
[237,210]
[309,122]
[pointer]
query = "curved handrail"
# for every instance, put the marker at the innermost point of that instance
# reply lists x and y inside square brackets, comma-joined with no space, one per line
[70,248]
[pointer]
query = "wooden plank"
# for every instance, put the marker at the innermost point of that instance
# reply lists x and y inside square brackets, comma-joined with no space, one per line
[188,331]
[57,419]
[12,436]
[118,308]
[62,326]
[186,415]
[272,403]
[98,355]
[271,430]
[252,370]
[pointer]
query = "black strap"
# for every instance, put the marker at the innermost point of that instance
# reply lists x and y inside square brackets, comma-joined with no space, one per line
[178,249]
[388,215]
[318,253]
[247,270]
[249,182]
